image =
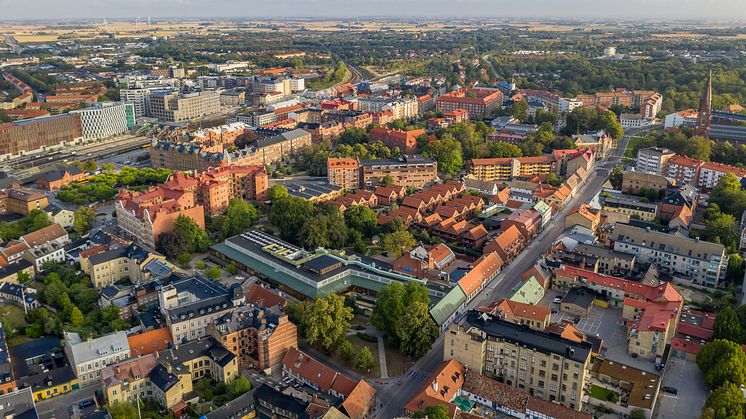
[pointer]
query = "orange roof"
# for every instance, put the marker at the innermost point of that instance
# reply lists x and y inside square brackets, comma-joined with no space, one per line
[724,168]
[440,388]
[585,212]
[527,311]
[484,268]
[685,161]
[665,292]
[303,365]
[504,239]
[149,342]
[264,297]
[440,252]
[339,162]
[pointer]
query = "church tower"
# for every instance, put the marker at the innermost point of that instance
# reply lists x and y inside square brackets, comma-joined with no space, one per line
[705,110]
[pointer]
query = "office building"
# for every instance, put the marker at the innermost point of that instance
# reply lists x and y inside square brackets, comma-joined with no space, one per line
[38,134]
[105,120]
[409,171]
[174,107]
[139,98]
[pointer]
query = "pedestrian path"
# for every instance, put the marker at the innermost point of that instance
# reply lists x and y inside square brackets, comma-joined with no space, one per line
[382,357]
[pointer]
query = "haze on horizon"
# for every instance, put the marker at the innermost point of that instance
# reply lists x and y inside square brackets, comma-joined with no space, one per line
[564,9]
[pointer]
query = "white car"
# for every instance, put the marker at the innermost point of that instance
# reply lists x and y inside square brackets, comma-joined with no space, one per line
[557,300]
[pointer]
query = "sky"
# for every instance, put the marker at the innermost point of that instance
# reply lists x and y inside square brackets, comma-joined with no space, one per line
[600,9]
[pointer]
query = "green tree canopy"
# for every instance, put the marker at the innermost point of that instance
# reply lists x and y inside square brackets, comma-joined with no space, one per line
[396,241]
[365,360]
[362,219]
[84,219]
[239,217]
[196,237]
[727,325]
[722,361]
[725,402]
[416,330]
[447,151]
[326,320]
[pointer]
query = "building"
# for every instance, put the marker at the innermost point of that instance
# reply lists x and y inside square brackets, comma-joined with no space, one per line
[257,336]
[653,160]
[19,404]
[527,221]
[704,115]
[583,215]
[117,264]
[105,120]
[426,263]
[545,364]
[174,107]
[139,98]
[56,178]
[503,169]
[440,388]
[149,342]
[684,170]
[534,316]
[651,106]
[406,141]
[599,142]
[682,119]
[53,234]
[633,120]
[22,201]
[409,171]
[190,305]
[38,134]
[147,214]
[343,172]
[710,174]
[702,262]
[636,182]
[478,102]
[610,262]
[630,206]
[89,357]
[508,244]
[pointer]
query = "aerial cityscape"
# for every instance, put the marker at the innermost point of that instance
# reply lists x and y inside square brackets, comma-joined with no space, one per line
[372,209]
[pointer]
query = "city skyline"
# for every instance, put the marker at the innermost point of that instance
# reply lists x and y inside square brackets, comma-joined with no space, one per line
[544,9]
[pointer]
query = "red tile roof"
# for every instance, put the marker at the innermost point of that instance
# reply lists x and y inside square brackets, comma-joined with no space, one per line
[484,269]
[359,400]
[153,341]
[439,389]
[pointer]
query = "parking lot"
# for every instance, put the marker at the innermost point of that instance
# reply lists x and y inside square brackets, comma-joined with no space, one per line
[590,324]
[692,391]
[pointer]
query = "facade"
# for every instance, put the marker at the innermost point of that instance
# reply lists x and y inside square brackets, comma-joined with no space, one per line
[702,262]
[190,305]
[258,337]
[684,170]
[686,119]
[710,174]
[39,133]
[478,102]
[114,265]
[56,178]
[343,172]
[631,206]
[635,182]
[22,201]
[89,357]
[547,365]
[146,215]
[105,120]
[139,98]
[174,107]
[409,171]
[653,160]
[503,169]
[406,141]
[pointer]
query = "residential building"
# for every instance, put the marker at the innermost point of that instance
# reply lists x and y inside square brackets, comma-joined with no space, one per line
[408,171]
[22,201]
[631,206]
[478,102]
[43,253]
[684,170]
[7,380]
[36,368]
[53,234]
[583,215]
[190,305]
[343,172]
[406,141]
[641,386]
[529,291]
[636,182]
[426,263]
[508,244]
[117,264]
[653,160]
[710,174]
[534,316]
[105,120]
[174,107]
[89,357]
[56,178]
[651,106]
[439,389]
[257,336]
[549,366]
[599,142]
[610,262]
[19,404]
[145,215]
[528,222]
[149,342]
[633,120]
[682,119]
[503,169]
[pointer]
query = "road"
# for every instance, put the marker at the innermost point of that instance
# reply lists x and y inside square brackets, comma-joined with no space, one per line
[56,407]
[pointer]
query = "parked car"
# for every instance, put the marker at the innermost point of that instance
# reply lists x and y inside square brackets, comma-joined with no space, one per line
[86,404]
[557,300]
[670,390]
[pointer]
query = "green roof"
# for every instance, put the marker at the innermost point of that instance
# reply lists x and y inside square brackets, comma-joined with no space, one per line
[528,292]
[542,207]
[445,308]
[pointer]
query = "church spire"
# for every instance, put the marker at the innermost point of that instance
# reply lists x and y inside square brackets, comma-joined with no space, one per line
[705,110]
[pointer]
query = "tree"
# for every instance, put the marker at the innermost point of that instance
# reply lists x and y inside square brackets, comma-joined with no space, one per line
[389,307]
[84,219]
[637,414]
[726,402]
[172,244]
[519,110]
[387,180]
[238,217]
[502,149]
[119,410]
[437,411]
[543,116]
[396,241]
[326,320]
[553,179]
[720,361]
[196,237]
[416,330]
[278,192]
[76,317]
[107,167]
[362,219]
[239,386]
[447,151]
[365,360]
[289,214]
[729,197]
[346,351]
[723,229]
[734,273]
[314,233]
[213,272]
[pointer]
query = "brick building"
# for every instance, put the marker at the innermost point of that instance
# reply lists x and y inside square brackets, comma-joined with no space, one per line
[343,172]
[36,134]
[478,102]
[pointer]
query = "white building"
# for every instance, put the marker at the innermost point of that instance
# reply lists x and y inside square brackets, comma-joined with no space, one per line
[568,104]
[139,98]
[104,120]
[710,174]
[686,118]
[633,120]
[298,84]
[610,52]
[404,108]
[89,357]
[48,252]
[653,160]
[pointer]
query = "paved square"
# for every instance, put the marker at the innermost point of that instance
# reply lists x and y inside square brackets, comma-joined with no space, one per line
[590,324]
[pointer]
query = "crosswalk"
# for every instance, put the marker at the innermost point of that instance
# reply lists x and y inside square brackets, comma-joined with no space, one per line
[417,376]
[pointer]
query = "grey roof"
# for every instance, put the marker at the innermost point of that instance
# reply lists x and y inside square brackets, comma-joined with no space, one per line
[14,268]
[162,378]
[580,297]
[521,335]
[277,399]
[602,252]
[132,251]
[84,351]
[666,242]
[18,405]
[209,297]
[311,190]
[236,408]
[403,160]
[285,136]
[186,352]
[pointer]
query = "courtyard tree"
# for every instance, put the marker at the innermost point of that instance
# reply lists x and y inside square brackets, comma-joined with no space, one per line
[326,320]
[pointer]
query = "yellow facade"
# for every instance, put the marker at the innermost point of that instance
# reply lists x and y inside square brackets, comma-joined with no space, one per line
[62,388]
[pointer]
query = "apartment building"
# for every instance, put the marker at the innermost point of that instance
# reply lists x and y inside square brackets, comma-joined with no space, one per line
[684,170]
[653,160]
[402,108]
[686,118]
[409,171]
[343,172]
[105,120]
[478,102]
[710,174]
[145,215]
[22,201]
[39,133]
[702,262]
[544,364]
[139,98]
[406,141]
[651,106]
[503,169]
[257,336]
[635,182]
[174,107]
[610,262]
[89,357]
[190,305]
[114,265]
[630,206]
[534,316]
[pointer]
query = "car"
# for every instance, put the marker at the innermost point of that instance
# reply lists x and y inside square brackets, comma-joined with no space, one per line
[670,390]
[86,404]
[557,300]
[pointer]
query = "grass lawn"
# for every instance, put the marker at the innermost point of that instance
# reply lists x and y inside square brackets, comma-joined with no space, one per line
[13,316]
[358,344]
[396,363]
[603,394]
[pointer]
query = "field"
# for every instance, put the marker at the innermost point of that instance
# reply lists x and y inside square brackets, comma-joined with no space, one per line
[13,316]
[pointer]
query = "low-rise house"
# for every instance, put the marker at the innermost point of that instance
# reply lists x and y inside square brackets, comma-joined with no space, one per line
[120,263]
[641,387]
[439,389]
[583,215]
[426,263]
[390,194]
[637,182]
[43,253]
[41,366]
[53,234]
[18,294]
[149,342]
[610,262]
[528,222]
[529,291]
[507,245]
[534,316]
[578,302]
[61,216]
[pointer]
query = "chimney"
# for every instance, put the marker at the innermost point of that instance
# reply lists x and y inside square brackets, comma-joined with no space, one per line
[435,384]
